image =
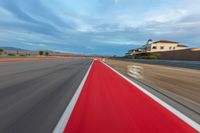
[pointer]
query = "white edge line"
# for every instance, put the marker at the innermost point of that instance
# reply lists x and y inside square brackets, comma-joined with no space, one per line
[164,104]
[66,115]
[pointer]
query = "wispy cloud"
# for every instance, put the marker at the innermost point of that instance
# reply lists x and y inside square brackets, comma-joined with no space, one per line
[97,27]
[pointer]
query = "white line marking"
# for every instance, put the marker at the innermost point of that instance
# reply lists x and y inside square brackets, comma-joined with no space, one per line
[164,104]
[66,115]
[135,71]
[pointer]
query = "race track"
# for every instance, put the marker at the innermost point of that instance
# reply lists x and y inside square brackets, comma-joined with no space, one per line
[110,104]
[34,95]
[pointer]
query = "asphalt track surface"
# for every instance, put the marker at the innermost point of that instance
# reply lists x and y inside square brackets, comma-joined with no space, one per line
[109,103]
[34,95]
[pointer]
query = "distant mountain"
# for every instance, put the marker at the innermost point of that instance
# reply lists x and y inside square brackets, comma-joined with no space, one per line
[14,49]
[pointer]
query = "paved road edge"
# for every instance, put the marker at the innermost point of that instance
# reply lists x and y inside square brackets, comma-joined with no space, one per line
[66,115]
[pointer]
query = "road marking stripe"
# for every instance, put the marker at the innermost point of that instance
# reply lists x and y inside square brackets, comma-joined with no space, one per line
[161,102]
[66,115]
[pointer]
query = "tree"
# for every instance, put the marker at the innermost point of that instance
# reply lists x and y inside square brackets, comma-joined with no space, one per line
[46,53]
[1,51]
[41,52]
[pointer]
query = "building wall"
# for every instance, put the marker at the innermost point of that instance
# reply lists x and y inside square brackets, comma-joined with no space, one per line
[155,47]
[185,54]
[159,47]
[180,48]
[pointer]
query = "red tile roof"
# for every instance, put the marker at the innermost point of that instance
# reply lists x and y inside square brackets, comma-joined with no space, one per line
[164,41]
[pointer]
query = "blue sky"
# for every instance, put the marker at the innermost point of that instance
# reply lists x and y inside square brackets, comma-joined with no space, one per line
[101,27]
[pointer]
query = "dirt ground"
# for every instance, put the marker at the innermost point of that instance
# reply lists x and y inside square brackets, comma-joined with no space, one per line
[180,81]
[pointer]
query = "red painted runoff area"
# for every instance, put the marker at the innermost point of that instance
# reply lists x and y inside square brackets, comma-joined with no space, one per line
[109,103]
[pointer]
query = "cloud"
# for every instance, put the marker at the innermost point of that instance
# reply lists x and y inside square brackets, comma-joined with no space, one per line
[97,27]
[116,1]
[169,16]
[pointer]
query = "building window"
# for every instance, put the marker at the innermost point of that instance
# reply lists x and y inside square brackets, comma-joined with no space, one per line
[170,48]
[161,47]
[173,47]
[154,47]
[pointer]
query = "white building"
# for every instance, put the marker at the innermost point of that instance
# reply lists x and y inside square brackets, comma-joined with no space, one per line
[157,46]
[163,45]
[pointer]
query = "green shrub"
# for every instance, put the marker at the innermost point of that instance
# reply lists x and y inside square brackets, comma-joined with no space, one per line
[152,56]
[41,52]
[155,57]
[11,54]
[46,53]
[1,51]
